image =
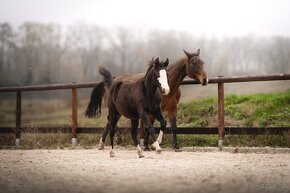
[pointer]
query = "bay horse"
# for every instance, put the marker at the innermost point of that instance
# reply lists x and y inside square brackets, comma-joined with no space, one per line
[137,100]
[191,65]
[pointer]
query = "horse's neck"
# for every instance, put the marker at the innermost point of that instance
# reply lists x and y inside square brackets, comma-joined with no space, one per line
[176,73]
[150,88]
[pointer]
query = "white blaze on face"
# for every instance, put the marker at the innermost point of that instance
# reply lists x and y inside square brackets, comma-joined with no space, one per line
[164,82]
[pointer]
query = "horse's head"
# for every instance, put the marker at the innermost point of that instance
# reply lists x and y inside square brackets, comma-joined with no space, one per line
[160,76]
[195,67]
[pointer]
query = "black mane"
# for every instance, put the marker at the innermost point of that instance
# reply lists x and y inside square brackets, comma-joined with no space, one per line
[150,66]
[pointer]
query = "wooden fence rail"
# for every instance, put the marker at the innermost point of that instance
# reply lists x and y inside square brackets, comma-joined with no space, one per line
[74,129]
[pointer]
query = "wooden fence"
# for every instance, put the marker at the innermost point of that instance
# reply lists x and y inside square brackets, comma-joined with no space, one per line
[74,129]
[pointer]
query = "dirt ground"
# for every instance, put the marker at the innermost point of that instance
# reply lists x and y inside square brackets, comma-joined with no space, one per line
[94,171]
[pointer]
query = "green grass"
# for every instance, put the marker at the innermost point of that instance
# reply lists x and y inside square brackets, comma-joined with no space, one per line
[264,110]
[258,110]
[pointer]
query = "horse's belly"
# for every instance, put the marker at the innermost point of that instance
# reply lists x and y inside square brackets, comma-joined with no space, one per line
[129,113]
[125,103]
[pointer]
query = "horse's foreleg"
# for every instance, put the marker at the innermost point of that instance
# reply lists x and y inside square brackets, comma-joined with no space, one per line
[146,141]
[134,127]
[172,118]
[151,130]
[146,136]
[142,133]
[160,136]
[159,116]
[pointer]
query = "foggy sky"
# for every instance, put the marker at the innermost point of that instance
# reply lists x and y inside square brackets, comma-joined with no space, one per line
[203,17]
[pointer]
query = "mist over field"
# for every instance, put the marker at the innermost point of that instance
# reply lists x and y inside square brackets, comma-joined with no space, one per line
[38,53]
[64,41]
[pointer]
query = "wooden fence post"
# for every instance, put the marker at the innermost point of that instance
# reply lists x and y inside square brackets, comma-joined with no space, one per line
[18,119]
[74,116]
[221,118]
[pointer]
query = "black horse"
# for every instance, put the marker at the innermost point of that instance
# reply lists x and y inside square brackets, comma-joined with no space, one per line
[137,100]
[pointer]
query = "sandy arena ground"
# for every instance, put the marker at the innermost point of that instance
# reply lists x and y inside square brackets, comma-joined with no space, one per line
[94,171]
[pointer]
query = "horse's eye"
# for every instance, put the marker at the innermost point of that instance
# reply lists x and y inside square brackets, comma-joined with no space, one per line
[195,68]
[156,73]
[193,62]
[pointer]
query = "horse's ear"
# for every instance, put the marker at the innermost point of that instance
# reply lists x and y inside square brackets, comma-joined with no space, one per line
[156,61]
[166,62]
[198,52]
[187,54]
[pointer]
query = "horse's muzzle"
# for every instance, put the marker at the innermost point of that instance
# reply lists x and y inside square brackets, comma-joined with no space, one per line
[205,81]
[165,91]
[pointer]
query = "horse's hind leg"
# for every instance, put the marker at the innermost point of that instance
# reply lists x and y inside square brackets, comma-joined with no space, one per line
[114,118]
[104,135]
[159,116]
[172,118]
[142,132]
[134,127]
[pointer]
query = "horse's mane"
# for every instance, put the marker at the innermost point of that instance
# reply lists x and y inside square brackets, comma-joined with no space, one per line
[176,63]
[150,66]
[180,61]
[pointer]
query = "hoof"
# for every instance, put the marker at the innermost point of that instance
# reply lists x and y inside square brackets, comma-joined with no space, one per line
[112,154]
[153,147]
[178,150]
[139,151]
[176,146]
[236,150]
[102,147]
[157,147]
[142,147]
[146,148]
[158,151]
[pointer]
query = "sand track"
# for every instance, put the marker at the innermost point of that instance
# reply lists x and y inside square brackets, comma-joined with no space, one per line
[93,171]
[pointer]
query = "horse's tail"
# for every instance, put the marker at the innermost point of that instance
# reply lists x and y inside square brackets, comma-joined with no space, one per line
[95,104]
[107,77]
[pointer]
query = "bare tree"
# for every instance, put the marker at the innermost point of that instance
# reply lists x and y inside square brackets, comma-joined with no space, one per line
[120,42]
[38,53]
[41,50]
[6,45]
[86,41]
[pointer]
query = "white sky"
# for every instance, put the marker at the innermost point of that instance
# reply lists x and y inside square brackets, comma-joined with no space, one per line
[203,17]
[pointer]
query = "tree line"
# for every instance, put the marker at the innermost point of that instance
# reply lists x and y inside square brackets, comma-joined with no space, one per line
[37,53]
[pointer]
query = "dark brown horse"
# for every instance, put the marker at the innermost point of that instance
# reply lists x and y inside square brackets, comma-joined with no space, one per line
[191,65]
[137,100]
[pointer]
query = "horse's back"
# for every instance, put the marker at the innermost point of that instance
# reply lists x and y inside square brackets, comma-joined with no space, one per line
[130,77]
[125,99]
